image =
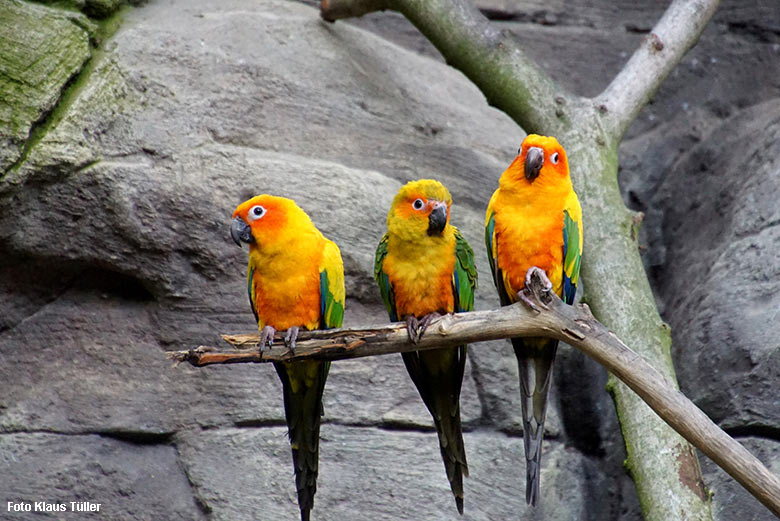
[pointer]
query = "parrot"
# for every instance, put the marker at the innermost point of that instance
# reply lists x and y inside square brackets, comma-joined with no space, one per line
[295,279]
[424,267]
[533,224]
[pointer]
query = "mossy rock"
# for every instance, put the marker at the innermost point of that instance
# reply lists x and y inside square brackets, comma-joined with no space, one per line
[41,50]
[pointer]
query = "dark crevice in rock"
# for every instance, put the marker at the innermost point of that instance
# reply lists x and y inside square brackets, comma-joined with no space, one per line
[28,286]
[537,17]
[138,437]
[134,437]
[754,31]
[258,423]
[518,433]
[769,432]
[499,15]
[637,29]
[386,425]
[107,282]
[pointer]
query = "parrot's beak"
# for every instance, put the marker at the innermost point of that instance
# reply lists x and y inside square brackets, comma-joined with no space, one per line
[534,159]
[241,232]
[437,220]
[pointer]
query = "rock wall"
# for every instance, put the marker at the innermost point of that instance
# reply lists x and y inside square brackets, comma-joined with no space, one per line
[122,159]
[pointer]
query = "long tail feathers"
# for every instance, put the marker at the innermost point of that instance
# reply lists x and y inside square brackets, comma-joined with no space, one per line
[438,375]
[303,411]
[535,357]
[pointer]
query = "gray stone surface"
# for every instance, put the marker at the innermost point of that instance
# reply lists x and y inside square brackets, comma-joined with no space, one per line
[400,473]
[115,248]
[129,480]
[729,500]
[717,267]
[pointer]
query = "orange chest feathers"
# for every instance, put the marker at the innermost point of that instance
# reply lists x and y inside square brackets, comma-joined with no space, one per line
[285,294]
[526,238]
[422,280]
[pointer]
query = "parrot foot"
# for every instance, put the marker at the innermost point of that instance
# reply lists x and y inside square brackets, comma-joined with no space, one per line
[416,328]
[546,287]
[290,338]
[267,337]
[539,272]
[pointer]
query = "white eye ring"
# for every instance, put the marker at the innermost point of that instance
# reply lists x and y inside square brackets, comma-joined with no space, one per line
[256,212]
[554,158]
[418,204]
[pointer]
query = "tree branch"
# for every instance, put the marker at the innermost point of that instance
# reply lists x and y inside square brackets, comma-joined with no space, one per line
[574,325]
[658,458]
[486,55]
[660,52]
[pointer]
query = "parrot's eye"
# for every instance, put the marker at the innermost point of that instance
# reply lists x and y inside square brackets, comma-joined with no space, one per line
[554,158]
[256,212]
[520,151]
[418,204]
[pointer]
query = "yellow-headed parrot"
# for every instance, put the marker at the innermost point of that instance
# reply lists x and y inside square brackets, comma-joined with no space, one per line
[534,224]
[295,280]
[424,267]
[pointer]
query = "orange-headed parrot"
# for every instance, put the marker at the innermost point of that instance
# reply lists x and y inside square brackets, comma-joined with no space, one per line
[295,280]
[424,267]
[534,224]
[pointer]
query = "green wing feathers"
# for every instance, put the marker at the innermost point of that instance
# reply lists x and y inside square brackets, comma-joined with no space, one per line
[572,247]
[250,287]
[490,243]
[464,277]
[385,288]
[491,246]
[332,292]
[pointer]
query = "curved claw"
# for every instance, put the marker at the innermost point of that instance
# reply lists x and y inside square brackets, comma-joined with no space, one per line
[411,328]
[416,328]
[267,337]
[425,322]
[290,338]
[523,297]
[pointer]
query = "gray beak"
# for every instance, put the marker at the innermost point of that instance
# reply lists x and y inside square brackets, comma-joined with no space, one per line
[438,219]
[534,159]
[241,232]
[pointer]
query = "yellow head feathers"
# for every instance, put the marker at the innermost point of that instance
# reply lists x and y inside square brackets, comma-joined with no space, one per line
[540,163]
[420,209]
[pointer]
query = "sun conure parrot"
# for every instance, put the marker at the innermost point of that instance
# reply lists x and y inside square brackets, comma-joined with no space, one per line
[534,224]
[424,267]
[295,280]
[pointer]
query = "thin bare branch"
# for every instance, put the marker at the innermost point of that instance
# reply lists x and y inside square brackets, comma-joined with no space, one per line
[660,52]
[489,57]
[574,325]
